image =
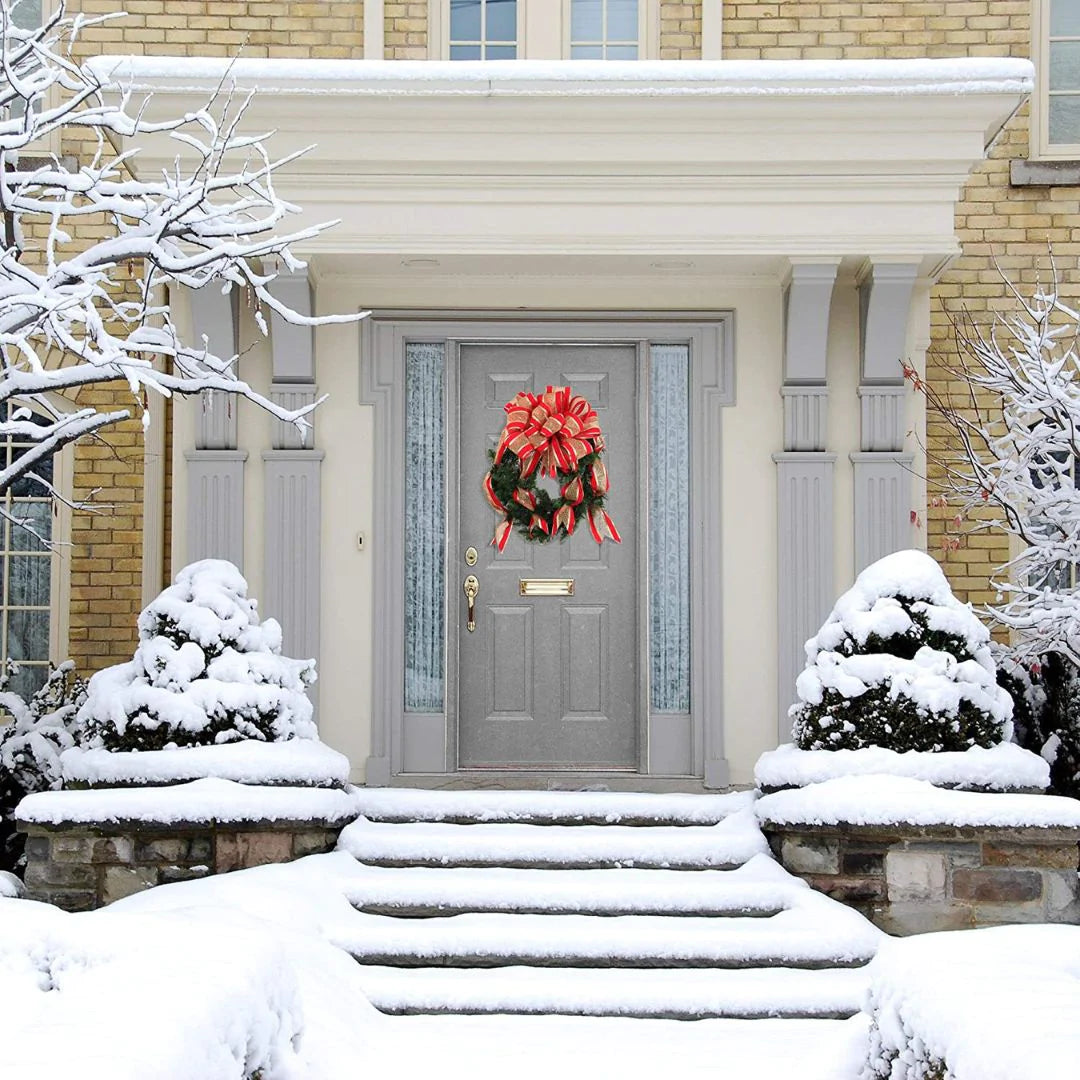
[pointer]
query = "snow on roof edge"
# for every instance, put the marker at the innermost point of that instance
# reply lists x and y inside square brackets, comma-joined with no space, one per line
[959,75]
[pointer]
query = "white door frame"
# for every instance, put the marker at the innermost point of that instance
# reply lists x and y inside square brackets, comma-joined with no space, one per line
[407,747]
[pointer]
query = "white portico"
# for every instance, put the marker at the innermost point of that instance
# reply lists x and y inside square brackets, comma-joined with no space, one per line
[775,227]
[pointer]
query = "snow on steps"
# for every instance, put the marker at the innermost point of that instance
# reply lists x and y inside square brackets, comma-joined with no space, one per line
[550,807]
[526,902]
[759,888]
[727,844]
[803,937]
[644,994]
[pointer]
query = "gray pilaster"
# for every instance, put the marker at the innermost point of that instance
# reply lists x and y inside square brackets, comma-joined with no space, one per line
[805,485]
[882,471]
[293,396]
[215,468]
[882,505]
[885,291]
[215,505]
[292,511]
[805,477]
[214,319]
[292,555]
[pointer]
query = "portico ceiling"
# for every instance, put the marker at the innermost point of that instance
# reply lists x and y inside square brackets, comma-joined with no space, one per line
[642,163]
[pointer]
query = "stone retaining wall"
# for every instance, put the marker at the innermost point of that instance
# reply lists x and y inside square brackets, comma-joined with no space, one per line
[79,867]
[912,880]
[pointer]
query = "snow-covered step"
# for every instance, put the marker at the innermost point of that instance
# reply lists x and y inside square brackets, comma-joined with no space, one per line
[758,888]
[752,993]
[549,807]
[726,844]
[808,936]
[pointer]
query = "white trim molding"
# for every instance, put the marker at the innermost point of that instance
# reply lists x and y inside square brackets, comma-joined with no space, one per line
[712,29]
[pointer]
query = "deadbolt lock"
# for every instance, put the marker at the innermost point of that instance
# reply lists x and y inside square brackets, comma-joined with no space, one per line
[470,556]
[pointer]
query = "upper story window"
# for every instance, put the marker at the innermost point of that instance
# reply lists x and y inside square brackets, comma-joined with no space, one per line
[1055,107]
[604,29]
[483,29]
[1063,74]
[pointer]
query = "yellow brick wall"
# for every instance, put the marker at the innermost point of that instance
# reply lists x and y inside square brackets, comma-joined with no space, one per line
[326,28]
[680,30]
[406,30]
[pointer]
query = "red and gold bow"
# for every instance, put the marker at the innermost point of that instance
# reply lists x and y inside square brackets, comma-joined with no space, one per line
[553,430]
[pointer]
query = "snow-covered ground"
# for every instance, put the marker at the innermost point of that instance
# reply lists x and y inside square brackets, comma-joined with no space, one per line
[221,977]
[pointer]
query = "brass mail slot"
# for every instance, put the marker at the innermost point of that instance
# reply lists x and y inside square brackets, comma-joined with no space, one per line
[547,586]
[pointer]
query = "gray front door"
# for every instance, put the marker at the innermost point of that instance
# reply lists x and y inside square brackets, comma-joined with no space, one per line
[547,682]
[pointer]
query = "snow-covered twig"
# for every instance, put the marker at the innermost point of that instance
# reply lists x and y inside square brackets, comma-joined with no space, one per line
[70,315]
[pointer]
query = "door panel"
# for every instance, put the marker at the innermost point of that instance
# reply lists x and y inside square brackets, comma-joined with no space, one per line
[547,681]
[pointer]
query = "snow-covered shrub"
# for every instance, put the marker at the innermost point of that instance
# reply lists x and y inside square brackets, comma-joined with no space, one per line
[206,672]
[36,732]
[900,663]
[1046,716]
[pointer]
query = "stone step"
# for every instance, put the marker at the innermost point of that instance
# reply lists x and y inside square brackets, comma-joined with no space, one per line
[798,938]
[725,845]
[398,805]
[751,993]
[757,889]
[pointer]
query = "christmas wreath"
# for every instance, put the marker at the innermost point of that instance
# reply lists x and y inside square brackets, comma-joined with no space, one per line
[555,434]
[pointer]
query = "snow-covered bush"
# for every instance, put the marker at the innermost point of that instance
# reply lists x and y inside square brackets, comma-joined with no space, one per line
[37,731]
[1046,696]
[900,663]
[206,672]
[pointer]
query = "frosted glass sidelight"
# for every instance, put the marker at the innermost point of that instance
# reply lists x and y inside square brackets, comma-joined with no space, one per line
[669,527]
[425,495]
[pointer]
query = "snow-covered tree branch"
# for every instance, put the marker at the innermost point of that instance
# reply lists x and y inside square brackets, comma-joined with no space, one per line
[1016,451]
[76,312]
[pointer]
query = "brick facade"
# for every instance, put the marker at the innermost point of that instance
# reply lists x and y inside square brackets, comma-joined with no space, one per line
[680,30]
[994,221]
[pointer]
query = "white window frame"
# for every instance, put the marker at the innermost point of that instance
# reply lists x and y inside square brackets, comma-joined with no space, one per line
[60,556]
[648,29]
[439,30]
[1040,146]
[543,29]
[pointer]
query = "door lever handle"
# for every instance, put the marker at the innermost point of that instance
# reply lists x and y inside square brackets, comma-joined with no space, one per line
[471,587]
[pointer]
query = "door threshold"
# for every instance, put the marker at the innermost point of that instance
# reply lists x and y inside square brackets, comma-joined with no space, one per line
[514,780]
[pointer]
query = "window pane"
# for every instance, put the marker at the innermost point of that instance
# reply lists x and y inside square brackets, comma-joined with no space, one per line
[1064,18]
[622,52]
[622,20]
[27,15]
[501,21]
[28,635]
[1065,118]
[1065,65]
[586,20]
[30,679]
[37,516]
[424,545]
[465,22]
[586,52]
[464,52]
[500,52]
[669,527]
[28,584]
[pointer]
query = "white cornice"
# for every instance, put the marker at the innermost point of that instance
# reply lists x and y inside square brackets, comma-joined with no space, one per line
[800,159]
